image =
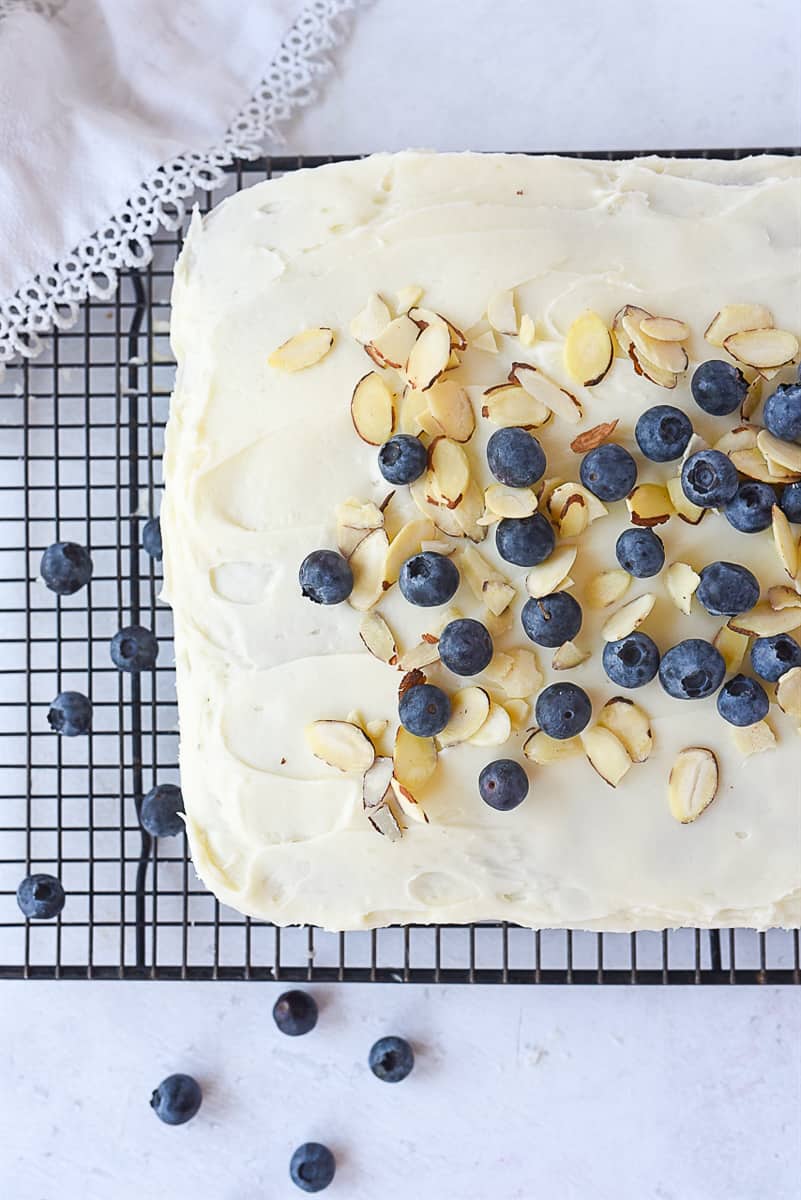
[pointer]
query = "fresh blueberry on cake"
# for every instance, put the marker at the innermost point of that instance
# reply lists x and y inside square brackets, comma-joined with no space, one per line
[692,670]
[781,412]
[515,457]
[609,472]
[325,577]
[424,710]
[641,552]
[465,646]
[503,784]
[429,579]
[631,661]
[750,509]
[563,710]
[402,459]
[742,701]
[791,502]
[718,387]
[774,656]
[727,588]
[709,479]
[525,541]
[663,433]
[552,620]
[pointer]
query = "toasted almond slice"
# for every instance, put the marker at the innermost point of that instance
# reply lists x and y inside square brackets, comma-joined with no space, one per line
[499,667]
[628,618]
[732,646]
[371,321]
[752,463]
[429,356]
[355,519]
[450,469]
[496,730]
[449,405]
[392,346]
[341,745]
[784,541]
[763,347]
[408,803]
[752,398]
[681,582]
[354,717]
[649,370]
[608,587]
[542,749]
[590,438]
[555,398]
[753,739]
[558,497]
[786,454]
[512,502]
[519,712]
[545,490]
[744,437]
[510,404]
[695,444]
[372,409]
[528,331]
[443,517]
[693,783]
[485,342]
[768,372]
[665,329]
[480,575]
[412,410]
[429,423]
[684,508]
[649,504]
[437,546]
[574,516]
[764,621]
[783,597]
[543,579]
[630,724]
[423,317]
[524,677]
[375,730]
[422,655]
[788,692]
[367,563]
[406,543]
[780,474]
[407,297]
[501,312]
[498,624]
[411,679]
[376,782]
[469,710]
[666,356]
[384,821]
[606,753]
[567,656]
[469,512]
[452,613]
[378,637]
[303,350]
[735,318]
[415,759]
[588,351]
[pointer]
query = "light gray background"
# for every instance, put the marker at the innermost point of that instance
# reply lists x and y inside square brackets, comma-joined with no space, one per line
[632,1094]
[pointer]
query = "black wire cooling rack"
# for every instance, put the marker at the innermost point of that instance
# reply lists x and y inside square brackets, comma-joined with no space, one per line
[81,437]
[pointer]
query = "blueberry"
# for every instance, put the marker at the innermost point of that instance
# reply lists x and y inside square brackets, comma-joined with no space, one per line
[552,619]
[151,539]
[749,509]
[772,657]
[325,577]
[40,897]
[791,502]
[709,479]
[563,710]
[134,648]
[525,541]
[631,661]
[640,552]
[465,646]
[691,670]
[177,1099]
[402,459]
[391,1059]
[608,471]
[503,784]
[312,1167]
[160,808]
[515,457]
[424,710]
[295,1013]
[743,701]
[429,579]
[662,432]
[718,387]
[70,714]
[65,567]
[781,413]
[727,589]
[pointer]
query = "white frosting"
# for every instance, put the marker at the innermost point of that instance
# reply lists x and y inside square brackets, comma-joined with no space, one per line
[257,460]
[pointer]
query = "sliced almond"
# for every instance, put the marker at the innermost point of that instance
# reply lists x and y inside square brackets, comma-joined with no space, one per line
[544,750]
[681,582]
[408,803]
[628,618]
[376,782]
[519,712]
[412,410]
[567,656]
[561,402]
[693,783]
[443,517]
[649,370]
[469,512]
[372,409]
[735,318]
[780,474]
[786,454]
[588,351]
[753,464]
[651,352]
[545,490]
[781,596]
[423,317]
[422,655]
[560,495]
[744,437]
[392,346]
[437,546]
[469,710]
[440,620]
[303,350]
[511,502]
[410,679]
[407,542]
[732,646]
[764,621]
[415,759]
[449,405]
[591,438]
[371,321]
[544,578]
[524,677]
[498,624]
[378,637]
[528,331]
[407,297]
[485,342]
[684,508]
[510,404]
[485,581]
[367,563]
[501,312]
[341,745]
[355,519]
[496,730]
[753,739]
[649,504]
[450,471]
[788,692]
[606,753]
[429,423]
[384,821]
[630,724]
[375,730]
[665,329]
[785,541]
[607,587]
[574,516]
[695,444]
[763,347]
[428,357]
[752,398]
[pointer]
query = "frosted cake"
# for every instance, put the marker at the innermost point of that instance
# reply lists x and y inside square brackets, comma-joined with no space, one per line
[349,339]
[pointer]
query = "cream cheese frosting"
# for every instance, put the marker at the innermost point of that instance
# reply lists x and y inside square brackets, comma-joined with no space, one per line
[257,461]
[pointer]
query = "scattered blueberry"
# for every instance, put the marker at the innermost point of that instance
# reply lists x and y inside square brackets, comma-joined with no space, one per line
[429,579]
[295,1013]
[70,714]
[749,509]
[790,502]
[515,457]
[402,459]
[608,471]
[40,897]
[312,1167]
[691,670]
[465,646]
[727,588]
[391,1059]
[177,1099]
[662,433]
[151,539]
[718,387]
[325,577]
[552,619]
[709,479]
[503,784]
[134,648]
[631,661]
[65,567]
[640,552]
[525,541]
[771,657]
[781,413]
[424,710]
[743,701]
[160,808]
[563,710]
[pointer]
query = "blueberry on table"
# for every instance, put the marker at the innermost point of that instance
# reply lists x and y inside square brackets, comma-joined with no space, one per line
[515,457]
[429,579]
[772,657]
[465,646]
[551,620]
[631,661]
[134,649]
[312,1167]
[727,588]
[424,710]
[563,710]
[663,432]
[608,471]
[503,784]
[325,577]
[65,568]
[391,1059]
[718,387]
[640,552]
[177,1099]
[70,714]
[781,413]
[709,479]
[742,701]
[151,539]
[692,670]
[159,815]
[402,459]
[750,508]
[40,897]
[790,502]
[295,1013]
[525,541]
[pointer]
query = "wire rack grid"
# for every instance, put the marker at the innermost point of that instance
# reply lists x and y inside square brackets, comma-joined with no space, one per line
[81,438]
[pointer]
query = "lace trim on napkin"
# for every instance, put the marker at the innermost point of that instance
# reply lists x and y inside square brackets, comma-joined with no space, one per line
[52,300]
